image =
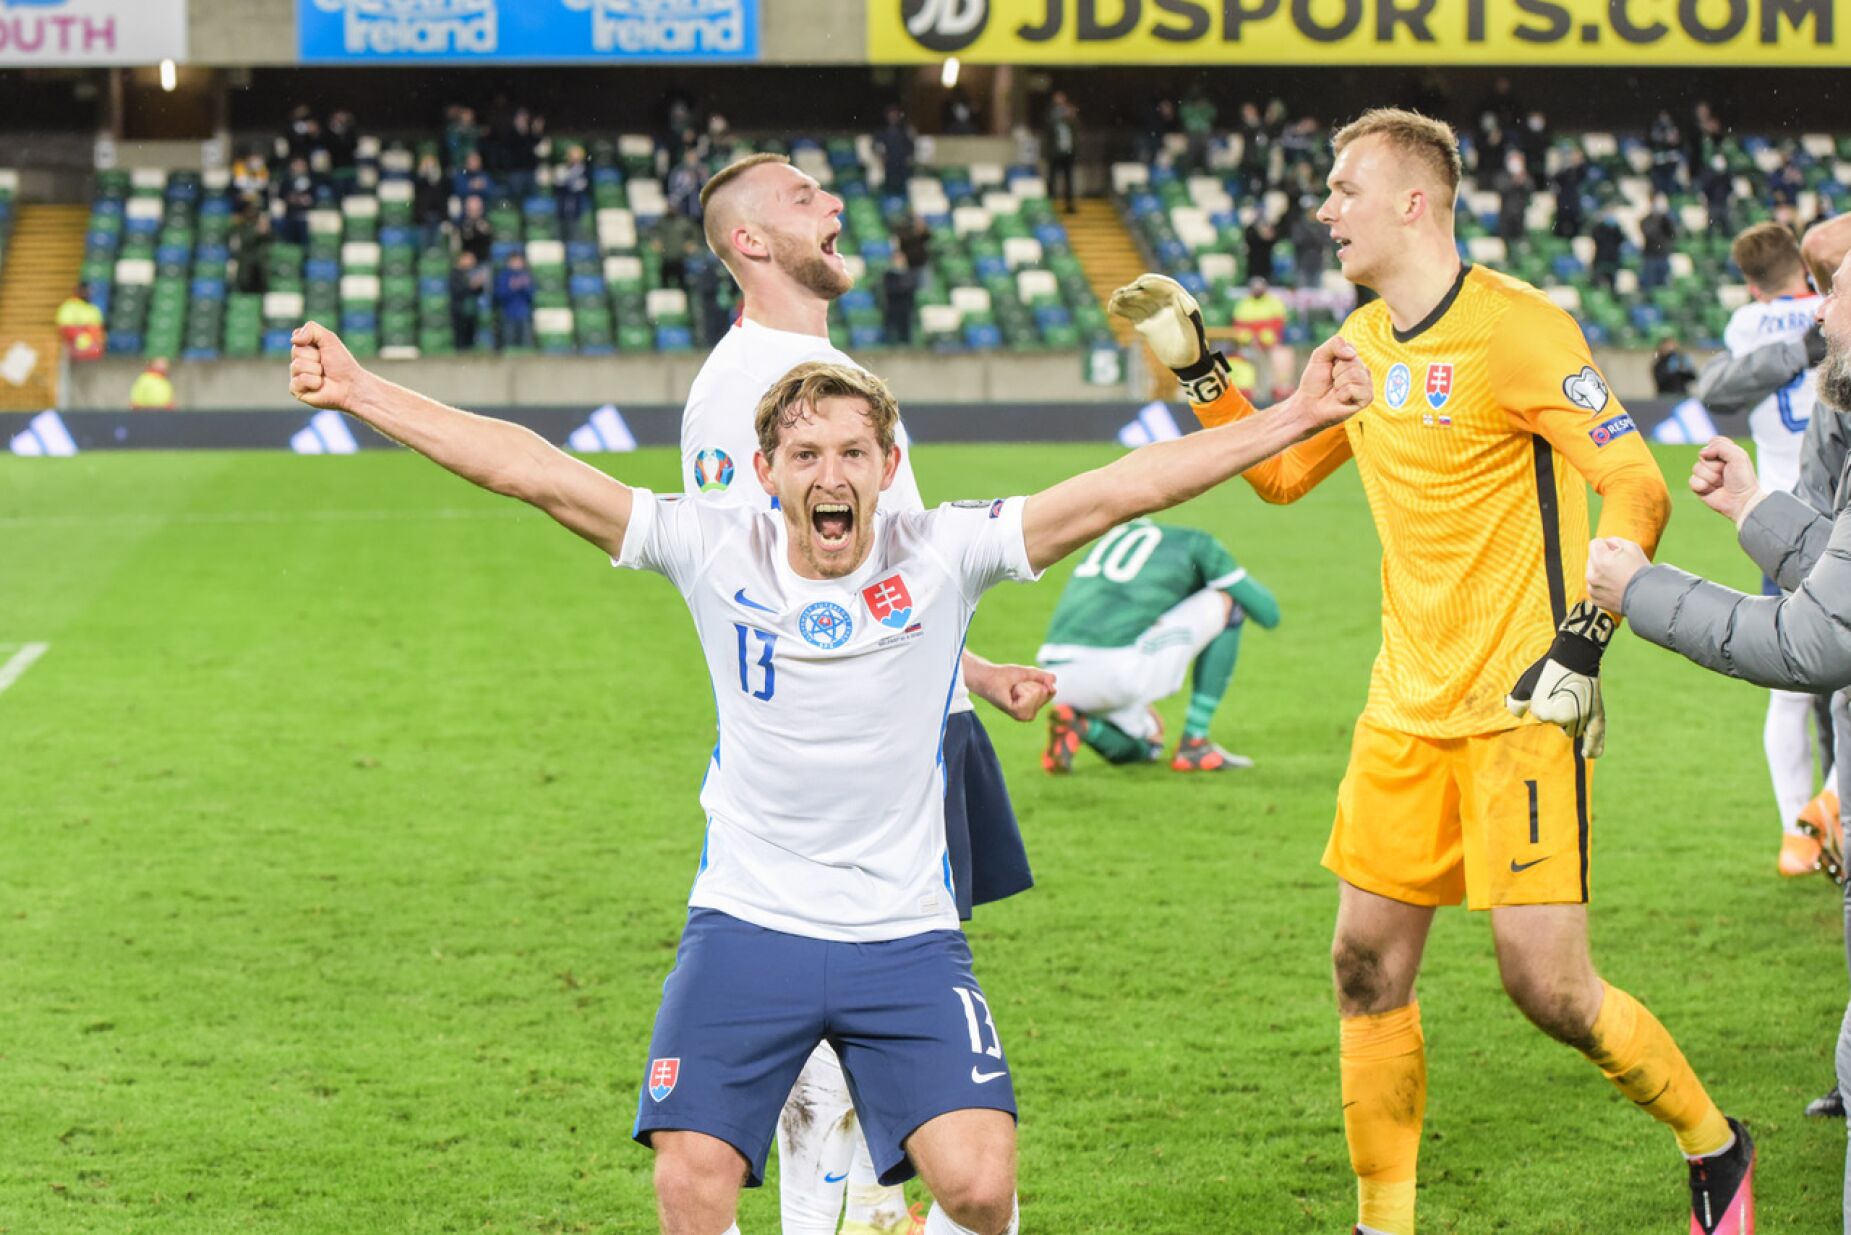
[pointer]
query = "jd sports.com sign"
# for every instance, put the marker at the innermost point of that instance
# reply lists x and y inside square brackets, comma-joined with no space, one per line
[1578,32]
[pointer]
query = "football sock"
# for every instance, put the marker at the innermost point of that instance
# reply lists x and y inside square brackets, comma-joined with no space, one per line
[938,1224]
[1384,1066]
[1788,743]
[1113,744]
[869,1200]
[1214,669]
[1638,1055]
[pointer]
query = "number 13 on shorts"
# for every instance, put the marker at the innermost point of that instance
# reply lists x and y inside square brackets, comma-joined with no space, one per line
[983,1039]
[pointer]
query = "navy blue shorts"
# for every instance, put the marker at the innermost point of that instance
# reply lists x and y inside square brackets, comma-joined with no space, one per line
[988,861]
[745,1006]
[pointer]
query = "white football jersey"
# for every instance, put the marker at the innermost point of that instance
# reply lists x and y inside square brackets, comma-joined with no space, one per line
[825,793]
[1778,422]
[719,438]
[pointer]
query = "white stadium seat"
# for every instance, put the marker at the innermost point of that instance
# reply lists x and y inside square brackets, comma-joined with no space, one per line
[1732,296]
[940,318]
[360,255]
[616,229]
[1128,176]
[282,306]
[987,176]
[970,220]
[1568,298]
[970,300]
[665,302]
[1032,285]
[553,321]
[1216,267]
[359,289]
[1487,250]
[623,269]
[359,206]
[1001,205]
[135,271]
[1019,251]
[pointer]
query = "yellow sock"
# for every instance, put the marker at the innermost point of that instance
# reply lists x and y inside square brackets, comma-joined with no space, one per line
[1384,1066]
[1639,1056]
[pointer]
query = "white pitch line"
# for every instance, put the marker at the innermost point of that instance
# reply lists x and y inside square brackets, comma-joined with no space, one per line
[20,661]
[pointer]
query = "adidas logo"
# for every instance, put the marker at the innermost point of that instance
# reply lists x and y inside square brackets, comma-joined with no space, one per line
[327,434]
[1154,423]
[605,431]
[44,437]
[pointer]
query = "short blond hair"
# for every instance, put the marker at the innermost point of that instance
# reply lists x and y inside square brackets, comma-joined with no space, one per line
[713,222]
[1432,142]
[799,391]
[1768,255]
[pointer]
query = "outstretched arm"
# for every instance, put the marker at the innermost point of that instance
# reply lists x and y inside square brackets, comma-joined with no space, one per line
[1059,520]
[1170,321]
[500,457]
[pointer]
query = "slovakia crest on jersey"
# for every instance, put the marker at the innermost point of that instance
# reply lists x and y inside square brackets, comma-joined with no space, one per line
[1439,384]
[663,1073]
[1396,389]
[825,625]
[889,602]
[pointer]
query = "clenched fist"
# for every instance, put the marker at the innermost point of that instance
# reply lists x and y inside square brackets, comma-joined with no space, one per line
[322,372]
[1336,383]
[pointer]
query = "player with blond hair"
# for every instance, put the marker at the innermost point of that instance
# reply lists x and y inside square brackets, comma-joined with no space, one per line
[1469,769]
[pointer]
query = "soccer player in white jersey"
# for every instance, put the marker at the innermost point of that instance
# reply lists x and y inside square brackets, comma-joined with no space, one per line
[823,906]
[1781,308]
[775,227]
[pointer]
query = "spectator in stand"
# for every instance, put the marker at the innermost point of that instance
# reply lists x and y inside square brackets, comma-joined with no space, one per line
[1256,150]
[466,285]
[1667,145]
[1198,119]
[1784,189]
[1514,188]
[706,278]
[514,303]
[297,191]
[1703,139]
[572,187]
[460,135]
[671,238]
[250,251]
[1672,372]
[1718,188]
[685,181]
[960,114]
[153,390]
[1259,316]
[1243,374]
[517,154]
[895,142]
[472,182]
[1490,150]
[1534,139]
[1500,108]
[80,325]
[899,294]
[475,235]
[1569,184]
[1608,241]
[1301,144]
[1310,244]
[1658,237]
[718,145]
[1060,144]
[250,179]
[1159,122]
[1261,237]
[304,136]
[915,241]
[342,141]
[430,200]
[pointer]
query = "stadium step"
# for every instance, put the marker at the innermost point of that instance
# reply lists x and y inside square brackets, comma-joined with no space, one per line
[42,264]
[43,260]
[1106,252]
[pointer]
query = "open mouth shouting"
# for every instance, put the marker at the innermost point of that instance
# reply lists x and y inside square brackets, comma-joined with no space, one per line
[834,525]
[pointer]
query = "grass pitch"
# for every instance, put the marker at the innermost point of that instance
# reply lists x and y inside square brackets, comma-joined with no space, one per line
[351,812]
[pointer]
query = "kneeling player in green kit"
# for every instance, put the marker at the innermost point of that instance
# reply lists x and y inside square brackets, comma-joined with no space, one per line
[1147,600]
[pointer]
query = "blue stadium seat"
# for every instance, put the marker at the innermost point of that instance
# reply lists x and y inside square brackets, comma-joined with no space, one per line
[856,298]
[502,250]
[125,342]
[983,336]
[359,321]
[209,288]
[674,338]
[586,285]
[321,270]
[200,353]
[433,285]
[581,251]
[880,250]
[861,337]
[397,237]
[276,342]
[1051,235]
[1194,283]
[213,251]
[990,267]
[1051,316]
[141,227]
[1567,267]
[173,254]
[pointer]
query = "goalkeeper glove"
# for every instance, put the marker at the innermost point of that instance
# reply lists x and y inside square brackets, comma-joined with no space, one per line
[1563,687]
[1171,322]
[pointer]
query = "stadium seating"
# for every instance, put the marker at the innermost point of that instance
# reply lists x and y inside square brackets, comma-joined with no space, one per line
[1001,274]
[1192,227]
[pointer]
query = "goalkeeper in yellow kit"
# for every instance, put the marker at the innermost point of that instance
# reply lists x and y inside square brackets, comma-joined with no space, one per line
[1468,773]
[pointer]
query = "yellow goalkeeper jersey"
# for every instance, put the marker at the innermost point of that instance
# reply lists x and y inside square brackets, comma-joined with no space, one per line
[1489,422]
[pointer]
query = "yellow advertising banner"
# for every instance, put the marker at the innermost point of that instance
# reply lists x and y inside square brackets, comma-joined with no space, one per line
[1359,32]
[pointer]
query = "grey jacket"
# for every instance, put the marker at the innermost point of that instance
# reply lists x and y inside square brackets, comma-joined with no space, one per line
[1799,641]
[1732,384]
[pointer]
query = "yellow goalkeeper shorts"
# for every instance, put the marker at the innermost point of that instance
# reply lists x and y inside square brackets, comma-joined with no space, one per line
[1499,819]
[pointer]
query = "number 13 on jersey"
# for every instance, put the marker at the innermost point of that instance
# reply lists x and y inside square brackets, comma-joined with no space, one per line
[766,644]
